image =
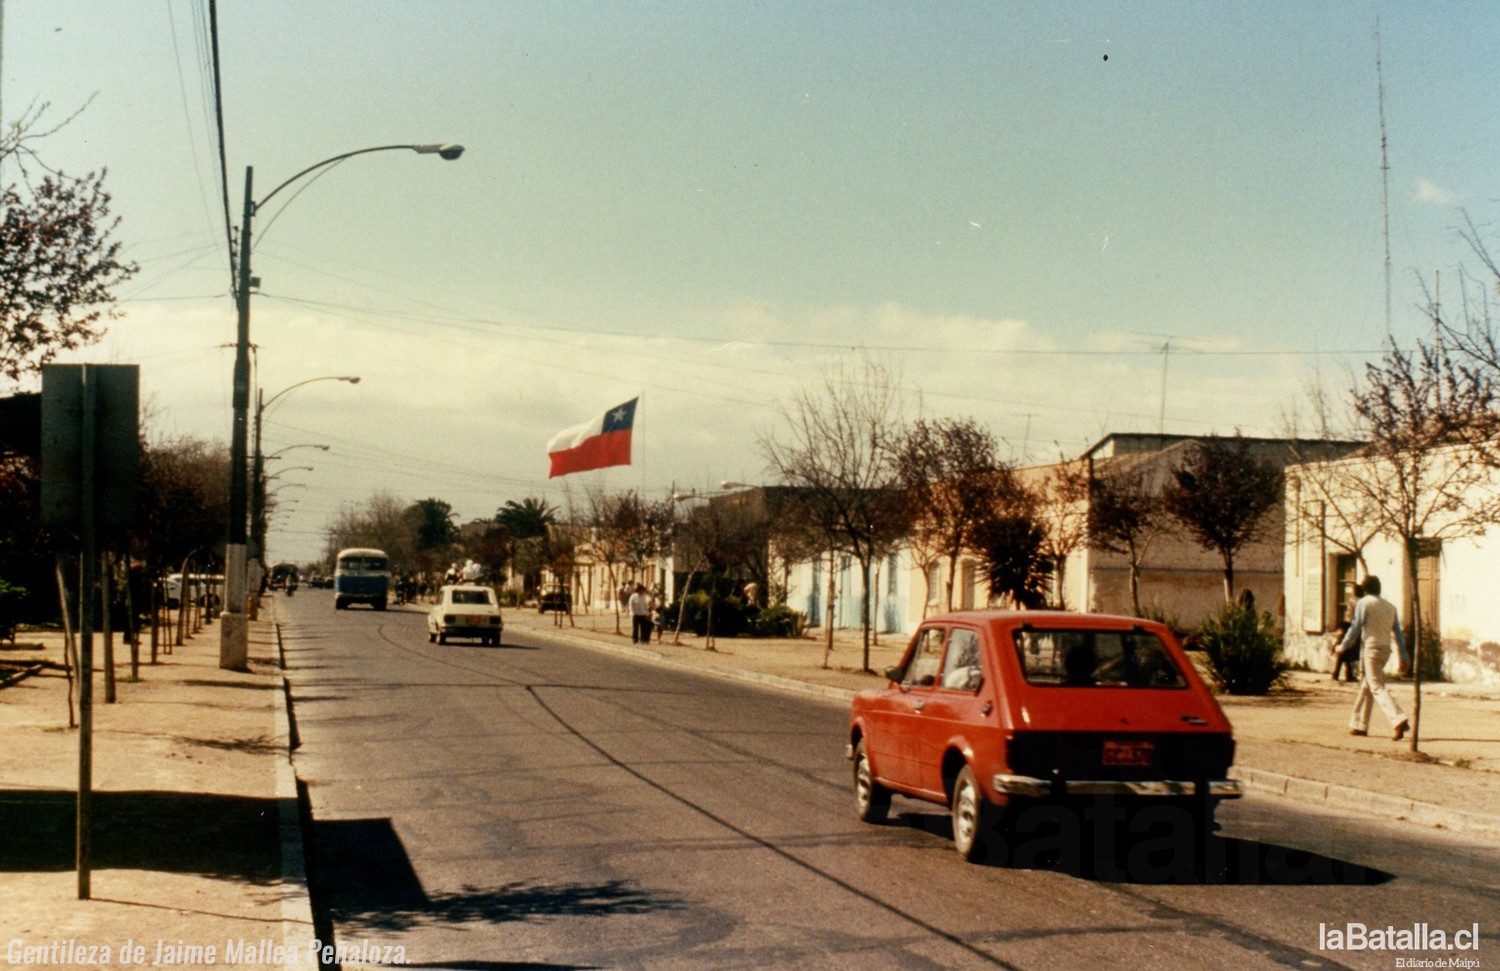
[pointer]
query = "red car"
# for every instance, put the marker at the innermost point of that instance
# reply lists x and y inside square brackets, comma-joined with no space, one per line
[991,712]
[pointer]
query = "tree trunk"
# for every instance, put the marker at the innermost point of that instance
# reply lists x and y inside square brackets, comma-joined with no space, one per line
[1229,578]
[1416,643]
[1135,580]
[864,607]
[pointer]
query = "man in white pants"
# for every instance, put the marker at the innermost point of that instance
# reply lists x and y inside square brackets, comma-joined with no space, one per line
[1374,626]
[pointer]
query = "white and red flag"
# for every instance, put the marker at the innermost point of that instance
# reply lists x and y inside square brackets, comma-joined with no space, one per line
[598,444]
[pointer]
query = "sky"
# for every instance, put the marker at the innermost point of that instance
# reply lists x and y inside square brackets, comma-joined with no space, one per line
[1061,220]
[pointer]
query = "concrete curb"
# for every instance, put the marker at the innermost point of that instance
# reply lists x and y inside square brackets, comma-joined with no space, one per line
[789,685]
[1345,798]
[1352,799]
[296,902]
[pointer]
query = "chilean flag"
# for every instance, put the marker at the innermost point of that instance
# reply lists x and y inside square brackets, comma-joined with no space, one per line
[598,444]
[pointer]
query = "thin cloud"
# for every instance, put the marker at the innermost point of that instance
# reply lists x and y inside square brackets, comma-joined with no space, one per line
[1431,193]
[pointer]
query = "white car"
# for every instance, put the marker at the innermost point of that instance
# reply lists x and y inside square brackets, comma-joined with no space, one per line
[465,610]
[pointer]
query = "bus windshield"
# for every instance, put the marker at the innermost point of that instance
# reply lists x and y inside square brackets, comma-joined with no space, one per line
[363,562]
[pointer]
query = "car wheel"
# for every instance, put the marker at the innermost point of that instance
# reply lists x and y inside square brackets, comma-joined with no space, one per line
[871,799]
[972,816]
[431,637]
[442,638]
[339,604]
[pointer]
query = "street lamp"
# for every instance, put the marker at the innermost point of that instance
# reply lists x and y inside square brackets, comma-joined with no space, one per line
[278,453]
[257,468]
[234,630]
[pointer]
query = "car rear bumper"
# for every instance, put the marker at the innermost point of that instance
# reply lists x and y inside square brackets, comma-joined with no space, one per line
[1034,788]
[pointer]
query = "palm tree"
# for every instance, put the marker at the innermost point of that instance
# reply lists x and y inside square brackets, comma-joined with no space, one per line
[527,524]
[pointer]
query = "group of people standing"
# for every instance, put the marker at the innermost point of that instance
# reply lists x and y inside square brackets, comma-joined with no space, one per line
[1366,647]
[642,605]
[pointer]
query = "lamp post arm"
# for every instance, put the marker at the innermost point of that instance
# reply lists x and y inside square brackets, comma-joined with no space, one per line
[447,151]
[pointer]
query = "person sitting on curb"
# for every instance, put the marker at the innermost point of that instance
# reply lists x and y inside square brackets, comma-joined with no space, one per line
[1374,626]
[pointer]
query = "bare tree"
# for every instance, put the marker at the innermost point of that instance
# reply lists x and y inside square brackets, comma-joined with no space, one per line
[1062,510]
[838,453]
[1432,424]
[1222,495]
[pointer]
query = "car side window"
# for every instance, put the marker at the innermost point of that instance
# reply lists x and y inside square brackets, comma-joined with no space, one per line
[926,660]
[961,667]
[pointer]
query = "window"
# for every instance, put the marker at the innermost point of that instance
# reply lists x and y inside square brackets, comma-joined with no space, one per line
[890,575]
[1104,658]
[961,669]
[473,597]
[925,661]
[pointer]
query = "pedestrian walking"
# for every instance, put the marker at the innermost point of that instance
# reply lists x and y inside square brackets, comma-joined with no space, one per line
[640,616]
[1375,625]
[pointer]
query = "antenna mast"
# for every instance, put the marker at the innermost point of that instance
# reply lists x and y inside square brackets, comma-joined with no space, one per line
[1385,179]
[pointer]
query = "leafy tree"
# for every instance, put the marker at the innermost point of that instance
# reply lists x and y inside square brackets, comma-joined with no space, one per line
[58,263]
[954,483]
[528,523]
[185,501]
[1011,548]
[1222,495]
[1125,515]
[381,523]
[431,534]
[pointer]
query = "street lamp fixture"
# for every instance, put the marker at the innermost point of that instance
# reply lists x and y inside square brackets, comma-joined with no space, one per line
[278,453]
[234,626]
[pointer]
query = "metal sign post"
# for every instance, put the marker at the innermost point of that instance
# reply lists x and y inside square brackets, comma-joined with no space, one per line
[90,474]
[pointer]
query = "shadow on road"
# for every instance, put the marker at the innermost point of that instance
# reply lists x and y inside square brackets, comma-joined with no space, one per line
[359,873]
[1171,852]
[231,837]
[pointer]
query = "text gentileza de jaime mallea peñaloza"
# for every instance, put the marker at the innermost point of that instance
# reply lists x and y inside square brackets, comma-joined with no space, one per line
[233,952]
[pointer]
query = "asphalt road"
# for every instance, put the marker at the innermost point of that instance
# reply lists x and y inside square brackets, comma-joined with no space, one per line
[540,805]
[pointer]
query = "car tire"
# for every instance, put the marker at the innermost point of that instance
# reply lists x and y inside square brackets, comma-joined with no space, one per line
[442,638]
[872,801]
[972,817]
[431,637]
[339,603]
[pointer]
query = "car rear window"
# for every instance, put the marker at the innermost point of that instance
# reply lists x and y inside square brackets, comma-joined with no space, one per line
[473,597]
[363,563]
[1096,659]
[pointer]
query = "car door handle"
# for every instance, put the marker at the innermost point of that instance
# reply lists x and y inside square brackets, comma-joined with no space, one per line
[918,704]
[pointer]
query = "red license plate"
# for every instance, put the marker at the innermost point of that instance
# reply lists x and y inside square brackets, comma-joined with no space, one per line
[1129,753]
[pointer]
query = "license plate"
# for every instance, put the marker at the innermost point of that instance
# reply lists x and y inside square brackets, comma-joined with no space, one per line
[1129,753]
[469,620]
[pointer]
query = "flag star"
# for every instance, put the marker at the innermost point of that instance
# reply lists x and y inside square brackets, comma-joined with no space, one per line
[619,415]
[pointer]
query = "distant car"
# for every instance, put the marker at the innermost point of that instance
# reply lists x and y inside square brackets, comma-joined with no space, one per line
[991,712]
[465,610]
[204,589]
[556,599]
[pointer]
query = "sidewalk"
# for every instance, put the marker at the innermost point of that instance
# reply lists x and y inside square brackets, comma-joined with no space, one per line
[1294,743]
[196,839]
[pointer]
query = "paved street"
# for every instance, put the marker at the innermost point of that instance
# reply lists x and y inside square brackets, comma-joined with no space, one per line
[542,805]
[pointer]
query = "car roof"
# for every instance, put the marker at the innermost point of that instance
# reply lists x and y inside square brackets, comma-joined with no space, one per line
[1041,618]
[467,586]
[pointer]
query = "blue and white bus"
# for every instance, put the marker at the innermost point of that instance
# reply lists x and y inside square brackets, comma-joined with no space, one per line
[361,575]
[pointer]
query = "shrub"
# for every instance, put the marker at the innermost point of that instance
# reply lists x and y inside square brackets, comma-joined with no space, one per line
[11,600]
[1243,651]
[777,621]
[730,615]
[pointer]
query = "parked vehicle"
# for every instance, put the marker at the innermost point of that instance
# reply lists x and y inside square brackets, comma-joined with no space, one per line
[204,589]
[557,599]
[465,610]
[361,575]
[991,712]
